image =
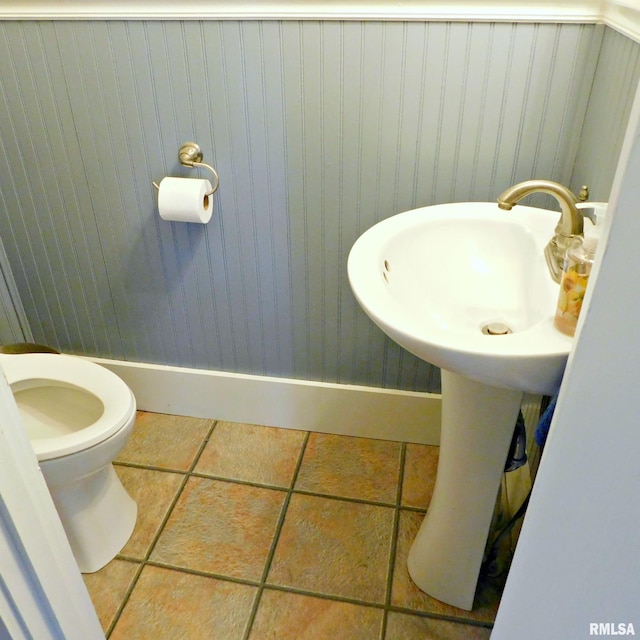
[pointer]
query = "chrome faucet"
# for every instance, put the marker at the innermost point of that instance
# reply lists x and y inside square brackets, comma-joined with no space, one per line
[569,226]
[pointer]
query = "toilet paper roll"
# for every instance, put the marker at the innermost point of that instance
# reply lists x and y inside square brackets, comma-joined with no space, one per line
[185,200]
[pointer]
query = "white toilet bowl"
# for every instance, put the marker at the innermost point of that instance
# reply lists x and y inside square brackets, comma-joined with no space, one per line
[79,416]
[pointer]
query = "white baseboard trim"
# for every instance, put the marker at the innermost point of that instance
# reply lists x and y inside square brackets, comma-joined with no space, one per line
[353,410]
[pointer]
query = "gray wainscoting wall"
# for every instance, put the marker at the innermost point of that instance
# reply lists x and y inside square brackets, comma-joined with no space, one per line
[14,326]
[614,88]
[317,129]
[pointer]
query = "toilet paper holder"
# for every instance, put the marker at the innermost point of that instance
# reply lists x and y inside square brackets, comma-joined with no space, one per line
[190,155]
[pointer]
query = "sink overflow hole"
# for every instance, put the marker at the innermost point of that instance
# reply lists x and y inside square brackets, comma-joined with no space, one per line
[496,329]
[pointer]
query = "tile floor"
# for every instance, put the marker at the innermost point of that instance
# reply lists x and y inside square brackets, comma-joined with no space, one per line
[248,532]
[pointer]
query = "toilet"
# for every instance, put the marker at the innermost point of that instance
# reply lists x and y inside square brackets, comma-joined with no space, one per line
[79,416]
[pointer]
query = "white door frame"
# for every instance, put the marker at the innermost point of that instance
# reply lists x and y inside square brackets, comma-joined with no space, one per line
[42,594]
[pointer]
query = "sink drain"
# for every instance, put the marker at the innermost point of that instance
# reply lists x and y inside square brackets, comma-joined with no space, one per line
[496,329]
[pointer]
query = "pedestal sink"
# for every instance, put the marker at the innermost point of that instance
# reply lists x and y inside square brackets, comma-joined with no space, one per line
[465,286]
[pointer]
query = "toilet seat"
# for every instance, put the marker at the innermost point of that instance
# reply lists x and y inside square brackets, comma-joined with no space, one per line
[51,371]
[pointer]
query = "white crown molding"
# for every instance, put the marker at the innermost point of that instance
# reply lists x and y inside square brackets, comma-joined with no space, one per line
[621,15]
[458,10]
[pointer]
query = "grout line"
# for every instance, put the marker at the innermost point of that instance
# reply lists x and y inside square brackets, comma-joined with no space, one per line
[148,467]
[400,484]
[394,540]
[203,574]
[324,596]
[247,483]
[173,503]
[124,600]
[442,616]
[283,512]
[396,523]
[276,537]
[160,528]
[333,496]
[422,510]
[203,444]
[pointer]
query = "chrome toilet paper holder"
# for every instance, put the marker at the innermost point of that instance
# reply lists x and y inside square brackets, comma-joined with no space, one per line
[190,155]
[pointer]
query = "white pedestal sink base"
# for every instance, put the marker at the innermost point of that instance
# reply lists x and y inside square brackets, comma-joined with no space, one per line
[478,421]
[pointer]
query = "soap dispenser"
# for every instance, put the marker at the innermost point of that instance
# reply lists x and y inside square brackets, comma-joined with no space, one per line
[577,269]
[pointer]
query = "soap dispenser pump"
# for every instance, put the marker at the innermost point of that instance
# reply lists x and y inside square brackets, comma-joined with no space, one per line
[577,269]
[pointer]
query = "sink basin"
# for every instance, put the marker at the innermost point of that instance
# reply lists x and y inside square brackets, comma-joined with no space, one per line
[434,277]
[466,287]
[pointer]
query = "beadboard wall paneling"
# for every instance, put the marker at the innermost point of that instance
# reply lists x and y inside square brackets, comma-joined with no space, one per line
[317,129]
[614,87]
[14,326]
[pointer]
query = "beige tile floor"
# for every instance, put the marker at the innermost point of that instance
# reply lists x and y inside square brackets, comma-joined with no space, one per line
[249,532]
